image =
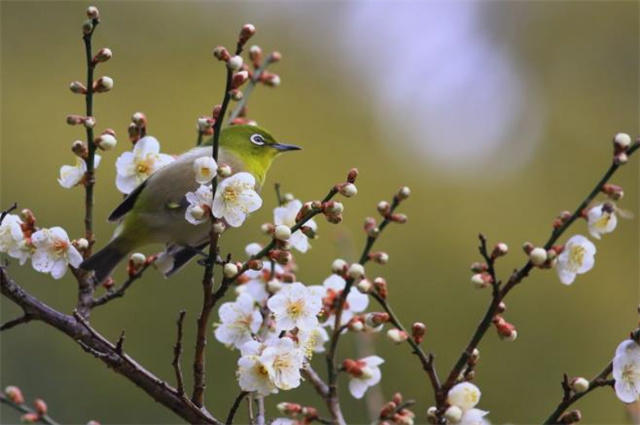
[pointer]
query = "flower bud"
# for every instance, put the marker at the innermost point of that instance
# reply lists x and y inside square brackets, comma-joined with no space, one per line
[224,170]
[106,142]
[103,85]
[475,356]
[103,55]
[247,31]
[290,409]
[356,325]
[219,226]
[230,270]
[40,406]
[77,87]
[235,62]
[338,266]
[380,285]
[274,285]
[481,280]
[383,208]
[398,218]
[379,257]
[621,158]
[453,414]
[81,244]
[352,175]
[205,124]
[89,122]
[255,55]
[93,12]
[404,193]
[349,190]
[478,267]
[221,53]
[137,259]
[239,78]
[538,256]
[376,319]
[280,256]
[622,140]
[75,119]
[579,384]
[613,191]
[267,228]
[255,264]
[236,94]
[432,413]
[14,394]
[80,149]
[501,249]
[418,329]
[29,418]
[87,26]
[356,271]
[270,80]
[397,336]
[571,417]
[282,232]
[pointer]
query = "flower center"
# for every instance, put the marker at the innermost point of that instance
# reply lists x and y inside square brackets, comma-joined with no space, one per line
[630,373]
[60,247]
[282,362]
[576,255]
[143,166]
[230,194]
[295,308]
[603,221]
[261,370]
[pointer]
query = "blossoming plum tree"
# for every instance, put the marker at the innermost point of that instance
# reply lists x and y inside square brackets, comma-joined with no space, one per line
[277,323]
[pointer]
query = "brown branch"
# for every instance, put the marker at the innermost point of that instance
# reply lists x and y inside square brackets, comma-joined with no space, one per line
[255,78]
[312,376]
[25,318]
[569,397]
[235,406]
[516,277]
[177,352]
[23,408]
[118,293]
[78,329]
[7,211]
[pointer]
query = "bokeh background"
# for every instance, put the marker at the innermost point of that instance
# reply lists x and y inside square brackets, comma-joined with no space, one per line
[498,115]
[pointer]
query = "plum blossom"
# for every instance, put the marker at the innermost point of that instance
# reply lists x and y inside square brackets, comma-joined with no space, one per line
[576,258]
[205,169]
[255,371]
[365,374]
[295,305]
[286,215]
[474,417]
[12,240]
[135,167]
[71,175]
[465,395]
[626,371]
[601,219]
[199,207]
[313,341]
[53,252]
[286,360]
[284,421]
[331,289]
[240,320]
[256,286]
[235,198]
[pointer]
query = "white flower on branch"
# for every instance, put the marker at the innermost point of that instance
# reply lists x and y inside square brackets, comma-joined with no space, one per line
[331,289]
[576,258]
[364,373]
[254,371]
[295,305]
[286,215]
[601,219]
[626,371]
[313,341]
[135,167]
[71,175]
[284,421]
[199,208]
[240,321]
[256,286]
[12,240]
[465,395]
[235,198]
[286,360]
[205,169]
[474,417]
[53,252]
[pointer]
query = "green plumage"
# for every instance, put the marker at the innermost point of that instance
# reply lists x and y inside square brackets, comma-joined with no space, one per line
[155,211]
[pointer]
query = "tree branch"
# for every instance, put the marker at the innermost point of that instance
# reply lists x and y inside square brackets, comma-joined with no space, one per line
[45,419]
[177,352]
[235,406]
[118,293]
[25,318]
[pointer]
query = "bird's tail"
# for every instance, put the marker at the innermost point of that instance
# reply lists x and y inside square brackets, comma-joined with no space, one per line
[104,261]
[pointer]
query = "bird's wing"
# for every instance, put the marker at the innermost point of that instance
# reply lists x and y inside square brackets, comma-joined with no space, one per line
[128,203]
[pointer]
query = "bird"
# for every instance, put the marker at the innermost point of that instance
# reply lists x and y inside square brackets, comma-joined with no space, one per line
[154,212]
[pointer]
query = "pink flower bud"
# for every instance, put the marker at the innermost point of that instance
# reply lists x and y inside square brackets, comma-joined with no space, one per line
[501,249]
[418,329]
[403,193]
[269,79]
[14,394]
[255,55]
[383,208]
[93,12]
[376,319]
[221,53]
[103,85]
[246,33]
[275,57]
[397,336]
[75,119]
[239,78]
[87,27]
[236,94]
[40,406]
[479,267]
[613,191]
[29,418]
[398,218]
[77,87]
[234,63]
[379,257]
[353,174]
[103,55]
[80,149]
[380,285]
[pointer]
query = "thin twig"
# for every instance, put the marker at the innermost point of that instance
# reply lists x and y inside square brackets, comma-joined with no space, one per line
[45,419]
[312,376]
[255,78]
[7,211]
[119,292]
[235,406]
[177,352]
[25,318]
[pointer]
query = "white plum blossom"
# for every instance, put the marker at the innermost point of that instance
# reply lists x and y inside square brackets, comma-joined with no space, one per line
[71,175]
[255,371]
[295,305]
[465,395]
[164,262]
[256,286]
[368,376]
[601,220]
[474,417]
[313,341]
[286,360]
[205,169]
[199,208]
[53,251]
[240,320]
[284,421]
[576,258]
[626,371]
[135,167]
[286,215]
[331,289]
[235,198]
[12,240]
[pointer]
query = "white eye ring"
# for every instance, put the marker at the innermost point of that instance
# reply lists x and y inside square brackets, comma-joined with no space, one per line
[257,139]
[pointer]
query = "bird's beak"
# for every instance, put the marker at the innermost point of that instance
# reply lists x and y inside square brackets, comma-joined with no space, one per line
[282,147]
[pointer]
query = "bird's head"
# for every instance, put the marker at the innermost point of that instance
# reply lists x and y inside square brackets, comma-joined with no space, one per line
[255,146]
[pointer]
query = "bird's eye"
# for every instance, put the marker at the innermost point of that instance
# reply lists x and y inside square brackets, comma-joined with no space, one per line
[257,139]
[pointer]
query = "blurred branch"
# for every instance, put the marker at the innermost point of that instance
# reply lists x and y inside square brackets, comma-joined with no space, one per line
[7,211]
[44,419]
[118,293]
[235,406]
[255,78]
[25,318]
[78,328]
[177,352]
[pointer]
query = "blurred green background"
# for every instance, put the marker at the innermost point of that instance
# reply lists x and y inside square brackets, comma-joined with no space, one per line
[497,121]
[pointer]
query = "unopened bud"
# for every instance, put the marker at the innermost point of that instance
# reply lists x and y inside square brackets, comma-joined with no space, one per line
[398,218]
[479,267]
[376,319]
[274,285]
[266,228]
[14,394]
[500,250]
[579,384]
[364,286]
[290,409]
[239,78]
[379,257]
[230,270]
[404,193]
[622,140]
[418,329]
[87,26]
[138,259]
[538,256]
[356,271]
[270,80]
[571,417]
[481,280]
[356,325]
[103,55]
[219,226]
[338,266]
[247,31]
[235,63]
[380,285]
[256,265]
[75,119]
[224,170]
[453,414]
[255,55]
[236,94]
[80,149]
[383,208]
[432,413]
[106,142]
[282,232]
[349,190]
[621,158]
[103,85]
[527,247]
[397,336]
[280,256]
[613,191]
[30,418]
[352,175]
[40,406]
[89,122]
[93,12]
[222,54]
[77,87]
[81,244]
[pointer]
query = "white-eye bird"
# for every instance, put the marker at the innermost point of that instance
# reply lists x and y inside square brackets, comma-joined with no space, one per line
[154,212]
